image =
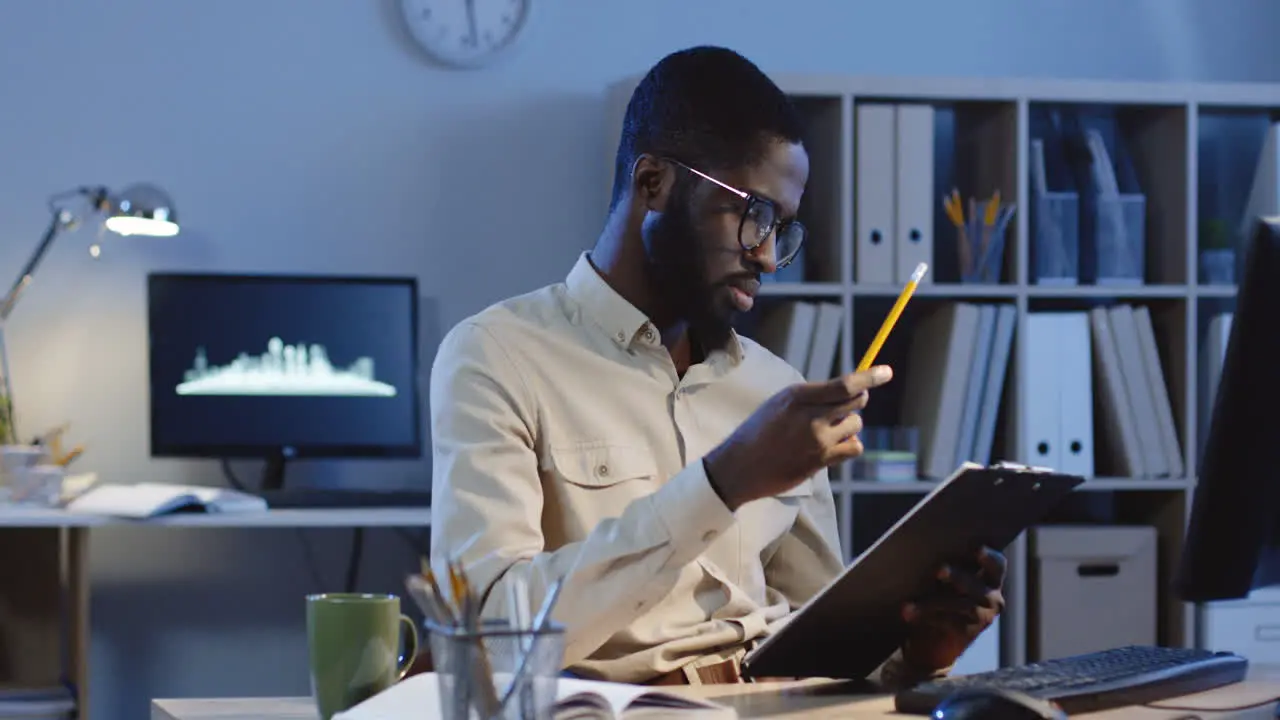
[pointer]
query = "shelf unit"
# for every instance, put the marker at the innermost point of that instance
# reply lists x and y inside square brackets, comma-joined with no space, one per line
[993,115]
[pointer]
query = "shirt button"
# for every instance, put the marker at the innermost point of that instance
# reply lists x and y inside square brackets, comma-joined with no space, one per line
[602,470]
[648,334]
[622,337]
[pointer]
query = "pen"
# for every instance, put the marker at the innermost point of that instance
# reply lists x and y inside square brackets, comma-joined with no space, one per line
[892,318]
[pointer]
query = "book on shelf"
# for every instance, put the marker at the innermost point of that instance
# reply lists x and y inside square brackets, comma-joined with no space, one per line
[805,334]
[1213,353]
[1136,425]
[576,699]
[957,365]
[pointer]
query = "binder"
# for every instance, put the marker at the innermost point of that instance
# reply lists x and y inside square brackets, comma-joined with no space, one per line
[1038,406]
[993,390]
[826,342]
[1124,328]
[787,331]
[1119,424]
[913,226]
[1159,391]
[1075,393]
[874,194]
[977,384]
[938,367]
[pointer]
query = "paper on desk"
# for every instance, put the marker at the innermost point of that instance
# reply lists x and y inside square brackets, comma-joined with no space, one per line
[407,699]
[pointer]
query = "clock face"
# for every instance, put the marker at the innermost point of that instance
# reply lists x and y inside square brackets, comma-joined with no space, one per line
[465,33]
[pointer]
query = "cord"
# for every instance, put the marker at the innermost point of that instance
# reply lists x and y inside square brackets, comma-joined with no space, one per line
[308,552]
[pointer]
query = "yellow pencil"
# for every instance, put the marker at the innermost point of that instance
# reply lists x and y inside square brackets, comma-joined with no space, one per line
[892,318]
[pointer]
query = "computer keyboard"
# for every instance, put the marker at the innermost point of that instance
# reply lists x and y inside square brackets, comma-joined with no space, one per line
[310,498]
[1126,676]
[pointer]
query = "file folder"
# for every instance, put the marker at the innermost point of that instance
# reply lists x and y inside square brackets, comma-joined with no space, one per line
[874,194]
[914,202]
[1038,405]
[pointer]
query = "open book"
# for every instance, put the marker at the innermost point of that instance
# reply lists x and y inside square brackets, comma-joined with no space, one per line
[417,697]
[145,500]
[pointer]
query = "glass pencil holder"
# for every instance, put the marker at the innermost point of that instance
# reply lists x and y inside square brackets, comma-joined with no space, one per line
[1117,229]
[1055,239]
[987,254]
[497,672]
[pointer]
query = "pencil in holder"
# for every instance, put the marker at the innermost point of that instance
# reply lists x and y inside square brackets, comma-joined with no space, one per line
[980,241]
[497,671]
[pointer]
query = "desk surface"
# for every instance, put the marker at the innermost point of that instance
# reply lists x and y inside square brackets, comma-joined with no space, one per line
[805,700]
[19,516]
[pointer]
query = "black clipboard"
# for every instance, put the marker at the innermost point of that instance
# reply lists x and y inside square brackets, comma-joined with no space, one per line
[850,627]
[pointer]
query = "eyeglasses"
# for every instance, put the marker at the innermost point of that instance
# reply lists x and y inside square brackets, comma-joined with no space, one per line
[760,219]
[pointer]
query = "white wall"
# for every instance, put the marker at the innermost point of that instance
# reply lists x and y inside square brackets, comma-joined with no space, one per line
[308,136]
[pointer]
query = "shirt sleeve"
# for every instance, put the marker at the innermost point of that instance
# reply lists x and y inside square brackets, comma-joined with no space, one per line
[487,502]
[808,556]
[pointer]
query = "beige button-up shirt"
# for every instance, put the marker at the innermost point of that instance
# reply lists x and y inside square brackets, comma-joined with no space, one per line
[566,446]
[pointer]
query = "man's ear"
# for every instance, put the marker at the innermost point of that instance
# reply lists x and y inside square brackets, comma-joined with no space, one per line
[651,181]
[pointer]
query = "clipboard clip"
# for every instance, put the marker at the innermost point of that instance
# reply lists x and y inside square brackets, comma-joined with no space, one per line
[1019,467]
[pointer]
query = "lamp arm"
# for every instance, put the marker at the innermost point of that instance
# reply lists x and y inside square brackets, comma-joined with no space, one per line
[61,219]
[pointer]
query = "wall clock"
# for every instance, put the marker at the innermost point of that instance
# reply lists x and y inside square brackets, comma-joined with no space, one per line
[465,33]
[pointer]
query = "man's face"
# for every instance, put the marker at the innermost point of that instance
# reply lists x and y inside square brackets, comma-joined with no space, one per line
[695,255]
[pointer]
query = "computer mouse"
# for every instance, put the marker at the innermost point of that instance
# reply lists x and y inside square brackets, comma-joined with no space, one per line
[992,704]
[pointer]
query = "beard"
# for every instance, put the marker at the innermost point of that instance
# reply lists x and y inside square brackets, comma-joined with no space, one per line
[677,253]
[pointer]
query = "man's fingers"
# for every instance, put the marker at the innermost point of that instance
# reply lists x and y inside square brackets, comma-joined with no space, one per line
[994,566]
[942,610]
[844,388]
[846,425]
[966,584]
[847,448]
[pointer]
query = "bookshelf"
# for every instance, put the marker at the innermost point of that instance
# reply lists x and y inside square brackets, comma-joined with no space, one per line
[1192,149]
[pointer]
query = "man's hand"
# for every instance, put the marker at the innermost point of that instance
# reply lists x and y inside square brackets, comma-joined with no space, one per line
[794,434]
[944,624]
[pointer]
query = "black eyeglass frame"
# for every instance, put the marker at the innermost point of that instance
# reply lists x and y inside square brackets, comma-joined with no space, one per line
[752,200]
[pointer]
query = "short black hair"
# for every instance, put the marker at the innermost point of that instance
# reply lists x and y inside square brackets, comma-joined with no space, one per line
[705,106]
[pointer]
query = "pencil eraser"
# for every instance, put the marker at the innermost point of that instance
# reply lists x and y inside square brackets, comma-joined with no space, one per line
[921,269]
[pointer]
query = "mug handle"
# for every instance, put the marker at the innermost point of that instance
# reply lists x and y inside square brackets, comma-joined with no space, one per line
[407,660]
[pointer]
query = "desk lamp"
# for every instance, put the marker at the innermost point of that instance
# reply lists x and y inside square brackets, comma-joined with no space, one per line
[139,209]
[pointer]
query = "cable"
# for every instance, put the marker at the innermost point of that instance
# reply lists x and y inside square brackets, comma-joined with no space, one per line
[308,552]
[353,562]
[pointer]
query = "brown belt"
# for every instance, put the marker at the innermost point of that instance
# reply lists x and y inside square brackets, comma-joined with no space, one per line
[721,673]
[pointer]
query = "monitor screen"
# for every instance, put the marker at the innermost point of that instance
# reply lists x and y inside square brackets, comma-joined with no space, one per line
[1231,545]
[291,366]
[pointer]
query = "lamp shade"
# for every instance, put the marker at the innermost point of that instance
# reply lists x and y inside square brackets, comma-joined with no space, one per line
[141,209]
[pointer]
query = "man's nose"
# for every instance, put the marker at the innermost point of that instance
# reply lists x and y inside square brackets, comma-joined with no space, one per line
[766,254]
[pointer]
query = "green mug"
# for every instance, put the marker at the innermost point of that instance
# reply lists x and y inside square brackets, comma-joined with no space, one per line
[354,642]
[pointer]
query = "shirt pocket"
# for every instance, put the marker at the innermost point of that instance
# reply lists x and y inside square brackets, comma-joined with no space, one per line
[604,465]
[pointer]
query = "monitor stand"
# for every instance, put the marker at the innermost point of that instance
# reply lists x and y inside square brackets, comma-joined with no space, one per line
[273,473]
[277,496]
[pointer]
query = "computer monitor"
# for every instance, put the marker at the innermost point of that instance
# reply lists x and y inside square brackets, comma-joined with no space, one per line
[1232,544]
[283,366]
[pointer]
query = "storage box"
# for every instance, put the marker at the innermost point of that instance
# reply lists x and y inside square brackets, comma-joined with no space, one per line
[1090,588]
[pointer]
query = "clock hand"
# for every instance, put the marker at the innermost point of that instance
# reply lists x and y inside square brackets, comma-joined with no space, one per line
[471,20]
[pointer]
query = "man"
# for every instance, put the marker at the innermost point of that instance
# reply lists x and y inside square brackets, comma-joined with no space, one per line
[614,431]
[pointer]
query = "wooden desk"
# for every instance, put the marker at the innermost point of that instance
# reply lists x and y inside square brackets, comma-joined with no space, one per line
[45,589]
[805,700]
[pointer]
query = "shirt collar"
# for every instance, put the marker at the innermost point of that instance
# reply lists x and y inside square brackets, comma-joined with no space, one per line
[624,323]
